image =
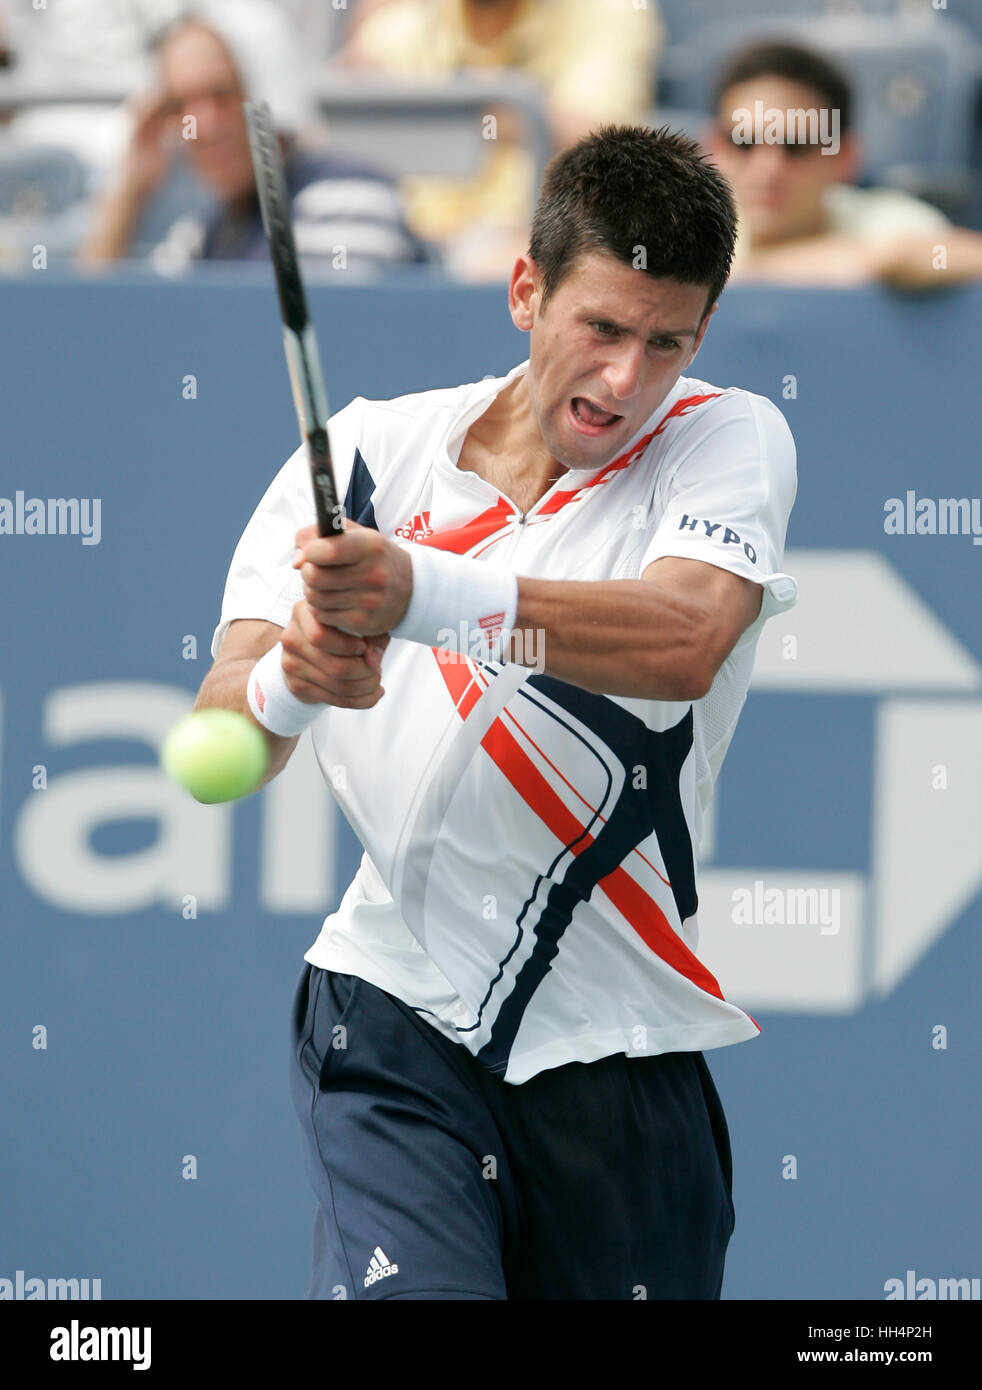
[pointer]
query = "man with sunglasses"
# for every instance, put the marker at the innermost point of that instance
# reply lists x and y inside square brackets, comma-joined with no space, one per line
[783,138]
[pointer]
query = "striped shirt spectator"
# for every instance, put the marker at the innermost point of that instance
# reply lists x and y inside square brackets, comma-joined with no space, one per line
[346,216]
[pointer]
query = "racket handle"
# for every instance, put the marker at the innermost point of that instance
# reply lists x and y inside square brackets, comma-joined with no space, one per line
[330,515]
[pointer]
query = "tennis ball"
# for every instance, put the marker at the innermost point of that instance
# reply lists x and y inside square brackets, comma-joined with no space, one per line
[216,754]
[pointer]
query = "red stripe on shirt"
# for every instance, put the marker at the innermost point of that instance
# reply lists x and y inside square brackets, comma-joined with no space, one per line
[461,539]
[638,909]
[683,407]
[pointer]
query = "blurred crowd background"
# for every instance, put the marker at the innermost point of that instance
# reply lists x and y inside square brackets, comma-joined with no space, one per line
[415,131]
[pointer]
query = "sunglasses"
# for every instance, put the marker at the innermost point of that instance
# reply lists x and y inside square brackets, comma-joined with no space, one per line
[792,148]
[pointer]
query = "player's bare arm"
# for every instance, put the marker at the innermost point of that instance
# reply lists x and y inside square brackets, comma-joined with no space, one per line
[224,687]
[661,637]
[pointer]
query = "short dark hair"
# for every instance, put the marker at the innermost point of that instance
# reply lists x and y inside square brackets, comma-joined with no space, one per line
[775,58]
[624,189]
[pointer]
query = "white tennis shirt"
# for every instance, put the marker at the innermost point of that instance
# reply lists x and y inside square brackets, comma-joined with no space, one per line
[528,882]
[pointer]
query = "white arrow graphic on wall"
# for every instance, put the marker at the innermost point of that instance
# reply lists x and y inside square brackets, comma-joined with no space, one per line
[859,628]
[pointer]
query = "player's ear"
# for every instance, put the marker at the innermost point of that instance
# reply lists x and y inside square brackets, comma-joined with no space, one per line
[521,289]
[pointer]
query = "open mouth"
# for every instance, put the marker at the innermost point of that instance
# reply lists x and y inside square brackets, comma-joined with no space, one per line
[590,417]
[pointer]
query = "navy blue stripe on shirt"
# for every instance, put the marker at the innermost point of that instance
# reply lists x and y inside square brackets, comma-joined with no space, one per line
[637,812]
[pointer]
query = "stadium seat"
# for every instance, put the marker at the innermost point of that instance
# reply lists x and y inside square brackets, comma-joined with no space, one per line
[402,126]
[683,18]
[43,203]
[969,13]
[423,127]
[38,182]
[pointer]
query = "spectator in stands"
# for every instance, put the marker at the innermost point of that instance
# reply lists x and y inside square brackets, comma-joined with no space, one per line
[346,216]
[802,219]
[594,61]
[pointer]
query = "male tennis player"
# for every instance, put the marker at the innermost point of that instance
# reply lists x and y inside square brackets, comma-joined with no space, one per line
[561,575]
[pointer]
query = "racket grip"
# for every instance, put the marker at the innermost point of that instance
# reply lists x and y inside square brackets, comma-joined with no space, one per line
[330,514]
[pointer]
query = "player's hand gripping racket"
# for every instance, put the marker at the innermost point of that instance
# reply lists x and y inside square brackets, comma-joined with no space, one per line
[302,357]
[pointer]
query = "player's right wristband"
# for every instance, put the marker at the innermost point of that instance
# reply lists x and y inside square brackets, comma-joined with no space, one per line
[272,701]
[459,597]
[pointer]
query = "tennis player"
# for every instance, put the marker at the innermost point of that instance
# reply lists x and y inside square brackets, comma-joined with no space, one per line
[522,663]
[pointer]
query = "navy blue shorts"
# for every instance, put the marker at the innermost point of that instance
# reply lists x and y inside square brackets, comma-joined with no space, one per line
[436,1179]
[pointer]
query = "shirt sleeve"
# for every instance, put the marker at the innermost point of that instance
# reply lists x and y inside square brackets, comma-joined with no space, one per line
[877,214]
[728,499]
[261,581]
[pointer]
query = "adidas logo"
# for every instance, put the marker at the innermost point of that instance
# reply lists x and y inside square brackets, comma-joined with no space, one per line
[416,528]
[379,1267]
[491,626]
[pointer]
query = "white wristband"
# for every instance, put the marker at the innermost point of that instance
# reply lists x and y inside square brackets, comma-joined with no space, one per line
[459,603]
[273,702]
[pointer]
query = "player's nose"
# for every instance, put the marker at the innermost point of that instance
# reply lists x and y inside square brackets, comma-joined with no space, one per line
[622,375]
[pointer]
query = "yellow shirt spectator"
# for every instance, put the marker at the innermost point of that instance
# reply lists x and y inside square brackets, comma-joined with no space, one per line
[594,61]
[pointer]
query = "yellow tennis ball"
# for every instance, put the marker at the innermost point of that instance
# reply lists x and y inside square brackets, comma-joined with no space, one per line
[216,754]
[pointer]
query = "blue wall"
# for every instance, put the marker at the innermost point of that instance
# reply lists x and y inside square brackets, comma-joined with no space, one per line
[167,1036]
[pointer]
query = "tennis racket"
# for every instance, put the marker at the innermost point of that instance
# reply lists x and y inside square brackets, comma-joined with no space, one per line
[299,341]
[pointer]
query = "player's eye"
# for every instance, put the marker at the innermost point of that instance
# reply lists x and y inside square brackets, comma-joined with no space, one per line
[671,344]
[606,330]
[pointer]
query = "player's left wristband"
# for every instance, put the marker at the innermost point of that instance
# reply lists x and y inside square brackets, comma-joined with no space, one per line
[458,602]
[271,700]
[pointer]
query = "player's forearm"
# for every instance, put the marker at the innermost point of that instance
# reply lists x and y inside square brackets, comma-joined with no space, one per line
[224,687]
[614,637]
